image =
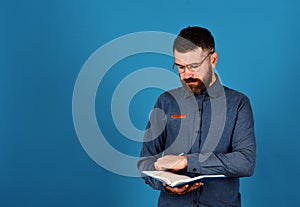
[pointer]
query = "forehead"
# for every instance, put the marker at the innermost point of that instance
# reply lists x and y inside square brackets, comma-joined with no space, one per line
[192,56]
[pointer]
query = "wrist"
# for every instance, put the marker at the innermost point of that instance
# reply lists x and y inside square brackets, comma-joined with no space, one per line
[185,161]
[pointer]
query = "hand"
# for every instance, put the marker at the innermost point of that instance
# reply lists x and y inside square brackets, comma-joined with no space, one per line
[183,189]
[171,162]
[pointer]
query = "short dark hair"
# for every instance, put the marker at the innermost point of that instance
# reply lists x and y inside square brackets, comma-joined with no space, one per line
[190,38]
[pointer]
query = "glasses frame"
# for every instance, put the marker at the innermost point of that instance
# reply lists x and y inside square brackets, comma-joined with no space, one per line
[182,68]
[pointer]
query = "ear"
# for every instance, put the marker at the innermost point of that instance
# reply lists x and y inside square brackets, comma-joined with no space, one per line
[214,59]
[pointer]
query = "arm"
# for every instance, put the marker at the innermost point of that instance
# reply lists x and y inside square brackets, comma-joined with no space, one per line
[153,144]
[240,161]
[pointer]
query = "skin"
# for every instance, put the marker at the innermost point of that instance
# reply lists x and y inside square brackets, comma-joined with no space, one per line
[208,77]
[206,73]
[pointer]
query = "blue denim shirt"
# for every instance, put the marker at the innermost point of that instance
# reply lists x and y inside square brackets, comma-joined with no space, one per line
[216,131]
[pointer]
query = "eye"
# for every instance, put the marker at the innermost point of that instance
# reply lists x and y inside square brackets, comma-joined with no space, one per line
[181,67]
[194,66]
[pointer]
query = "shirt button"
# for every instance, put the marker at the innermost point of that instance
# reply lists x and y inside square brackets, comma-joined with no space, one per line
[197,131]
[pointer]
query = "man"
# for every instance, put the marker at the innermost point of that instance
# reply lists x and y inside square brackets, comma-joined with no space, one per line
[211,124]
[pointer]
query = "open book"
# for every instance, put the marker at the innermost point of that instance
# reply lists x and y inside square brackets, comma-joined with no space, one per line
[173,179]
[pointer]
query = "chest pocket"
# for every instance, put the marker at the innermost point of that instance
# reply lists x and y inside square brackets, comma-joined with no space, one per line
[182,126]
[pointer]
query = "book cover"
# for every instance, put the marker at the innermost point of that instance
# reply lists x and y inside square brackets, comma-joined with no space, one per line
[173,179]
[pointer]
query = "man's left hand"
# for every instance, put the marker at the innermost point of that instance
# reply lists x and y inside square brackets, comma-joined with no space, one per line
[183,189]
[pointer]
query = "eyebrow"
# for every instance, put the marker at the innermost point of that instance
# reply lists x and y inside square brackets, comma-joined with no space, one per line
[178,64]
[184,65]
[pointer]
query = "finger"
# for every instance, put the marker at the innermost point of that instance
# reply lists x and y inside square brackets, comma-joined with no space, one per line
[180,190]
[157,166]
[176,190]
[199,184]
[168,188]
[194,187]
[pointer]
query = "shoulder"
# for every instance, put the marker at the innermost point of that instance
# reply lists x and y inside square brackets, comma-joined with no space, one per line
[234,94]
[170,98]
[173,93]
[236,99]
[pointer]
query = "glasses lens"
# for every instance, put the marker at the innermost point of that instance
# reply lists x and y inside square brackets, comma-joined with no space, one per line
[194,67]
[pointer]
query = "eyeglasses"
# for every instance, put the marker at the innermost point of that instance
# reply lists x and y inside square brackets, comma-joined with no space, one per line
[193,67]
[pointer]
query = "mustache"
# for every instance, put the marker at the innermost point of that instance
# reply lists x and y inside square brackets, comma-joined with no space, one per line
[189,80]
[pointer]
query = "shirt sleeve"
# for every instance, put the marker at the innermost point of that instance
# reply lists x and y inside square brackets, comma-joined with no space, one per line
[153,145]
[240,161]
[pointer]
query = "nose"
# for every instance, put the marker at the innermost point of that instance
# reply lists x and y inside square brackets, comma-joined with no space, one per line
[188,73]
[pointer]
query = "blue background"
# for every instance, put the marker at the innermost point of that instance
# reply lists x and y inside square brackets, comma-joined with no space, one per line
[43,46]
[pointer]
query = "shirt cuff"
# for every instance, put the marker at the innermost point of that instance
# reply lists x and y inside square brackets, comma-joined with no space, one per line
[193,165]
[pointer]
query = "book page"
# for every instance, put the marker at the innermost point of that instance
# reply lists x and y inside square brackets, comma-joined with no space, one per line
[167,177]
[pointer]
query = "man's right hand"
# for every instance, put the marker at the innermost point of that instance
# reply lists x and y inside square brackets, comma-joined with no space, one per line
[171,162]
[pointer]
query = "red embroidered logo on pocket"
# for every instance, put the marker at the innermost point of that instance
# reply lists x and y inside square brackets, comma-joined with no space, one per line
[178,116]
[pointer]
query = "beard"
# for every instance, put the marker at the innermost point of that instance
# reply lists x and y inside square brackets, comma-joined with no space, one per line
[196,85]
